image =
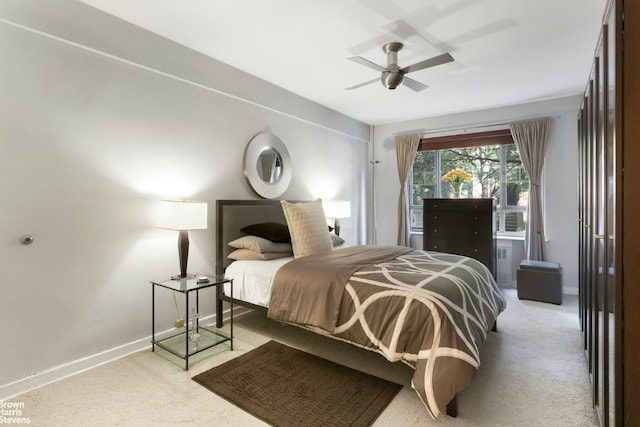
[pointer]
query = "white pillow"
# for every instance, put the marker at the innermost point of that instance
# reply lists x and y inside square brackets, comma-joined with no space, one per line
[308,228]
[258,244]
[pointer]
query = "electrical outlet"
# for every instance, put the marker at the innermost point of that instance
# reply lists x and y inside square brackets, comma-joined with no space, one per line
[179,323]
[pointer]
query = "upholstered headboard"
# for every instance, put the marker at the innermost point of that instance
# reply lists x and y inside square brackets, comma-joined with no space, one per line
[233,215]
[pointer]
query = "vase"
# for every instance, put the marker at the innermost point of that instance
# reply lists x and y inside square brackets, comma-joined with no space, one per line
[456,191]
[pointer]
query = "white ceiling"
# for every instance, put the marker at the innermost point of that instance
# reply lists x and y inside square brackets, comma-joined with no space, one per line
[506,51]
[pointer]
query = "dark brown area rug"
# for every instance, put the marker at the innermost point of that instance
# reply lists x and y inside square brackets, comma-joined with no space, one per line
[288,387]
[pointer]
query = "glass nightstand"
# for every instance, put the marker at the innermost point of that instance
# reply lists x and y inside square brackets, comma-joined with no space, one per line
[191,339]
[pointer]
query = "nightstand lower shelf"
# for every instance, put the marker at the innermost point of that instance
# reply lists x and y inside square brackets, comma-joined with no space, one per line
[176,345]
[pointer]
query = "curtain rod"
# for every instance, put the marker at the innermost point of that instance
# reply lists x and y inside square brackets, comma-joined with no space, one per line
[464,128]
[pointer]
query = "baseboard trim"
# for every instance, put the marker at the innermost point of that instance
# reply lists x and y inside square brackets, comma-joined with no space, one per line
[57,373]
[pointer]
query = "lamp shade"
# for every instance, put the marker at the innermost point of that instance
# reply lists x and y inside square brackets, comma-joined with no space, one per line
[182,215]
[337,209]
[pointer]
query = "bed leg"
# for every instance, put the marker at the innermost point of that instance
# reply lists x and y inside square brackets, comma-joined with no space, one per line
[218,308]
[452,407]
[495,327]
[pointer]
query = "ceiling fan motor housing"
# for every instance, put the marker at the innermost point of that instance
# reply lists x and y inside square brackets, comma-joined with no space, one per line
[392,76]
[391,79]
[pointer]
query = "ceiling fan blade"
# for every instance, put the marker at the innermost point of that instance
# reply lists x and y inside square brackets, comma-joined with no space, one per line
[431,62]
[377,79]
[413,84]
[360,60]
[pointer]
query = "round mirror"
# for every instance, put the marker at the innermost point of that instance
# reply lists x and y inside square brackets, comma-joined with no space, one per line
[267,165]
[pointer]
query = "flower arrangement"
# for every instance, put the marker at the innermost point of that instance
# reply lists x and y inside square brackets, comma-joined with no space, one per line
[455,178]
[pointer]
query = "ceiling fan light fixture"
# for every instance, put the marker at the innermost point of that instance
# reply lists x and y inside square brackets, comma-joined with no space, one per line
[391,80]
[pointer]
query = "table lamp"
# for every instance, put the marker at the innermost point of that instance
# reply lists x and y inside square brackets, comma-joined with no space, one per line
[182,216]
[337,209]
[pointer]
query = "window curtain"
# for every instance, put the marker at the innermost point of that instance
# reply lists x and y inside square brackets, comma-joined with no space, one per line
[406,149]
[530,138]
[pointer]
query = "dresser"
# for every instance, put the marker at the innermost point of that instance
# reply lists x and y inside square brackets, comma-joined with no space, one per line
[461,226]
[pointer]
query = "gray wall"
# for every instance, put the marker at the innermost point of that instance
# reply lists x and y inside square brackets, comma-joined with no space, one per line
[99,121]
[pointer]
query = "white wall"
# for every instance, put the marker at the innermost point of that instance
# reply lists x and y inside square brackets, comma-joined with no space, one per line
[560,173]
[99,121]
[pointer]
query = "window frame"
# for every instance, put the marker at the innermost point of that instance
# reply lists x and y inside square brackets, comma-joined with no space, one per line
[501,137]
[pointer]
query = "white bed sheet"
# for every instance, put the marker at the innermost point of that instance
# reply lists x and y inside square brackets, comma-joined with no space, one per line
[252,280]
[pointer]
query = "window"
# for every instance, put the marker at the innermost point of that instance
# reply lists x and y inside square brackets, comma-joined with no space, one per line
[493,161]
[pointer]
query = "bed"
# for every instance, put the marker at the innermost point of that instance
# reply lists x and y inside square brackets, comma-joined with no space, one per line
[429,310]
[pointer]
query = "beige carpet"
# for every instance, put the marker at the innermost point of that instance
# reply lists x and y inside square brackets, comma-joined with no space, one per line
[533,373]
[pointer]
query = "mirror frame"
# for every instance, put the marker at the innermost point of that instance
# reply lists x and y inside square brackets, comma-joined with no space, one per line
[255,147]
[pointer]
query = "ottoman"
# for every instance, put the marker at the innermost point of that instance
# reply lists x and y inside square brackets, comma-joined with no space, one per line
[540,281]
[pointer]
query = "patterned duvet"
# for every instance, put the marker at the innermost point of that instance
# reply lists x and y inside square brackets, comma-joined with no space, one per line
[430,310]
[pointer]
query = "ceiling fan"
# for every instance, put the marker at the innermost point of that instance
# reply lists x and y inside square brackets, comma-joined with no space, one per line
[392,75]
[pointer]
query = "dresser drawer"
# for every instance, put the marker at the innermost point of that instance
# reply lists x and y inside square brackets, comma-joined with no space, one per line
[458,246]
[465,205]
[457,224]
[479,249]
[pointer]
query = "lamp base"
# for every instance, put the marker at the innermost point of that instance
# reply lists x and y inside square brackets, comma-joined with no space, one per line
[183,252]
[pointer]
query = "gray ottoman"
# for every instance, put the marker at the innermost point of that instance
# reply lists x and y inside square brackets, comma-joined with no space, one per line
[540,281]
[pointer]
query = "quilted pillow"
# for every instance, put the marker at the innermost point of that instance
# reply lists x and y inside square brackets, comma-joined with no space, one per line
[273,231]
[308,228]
[249,255]
[258,244]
